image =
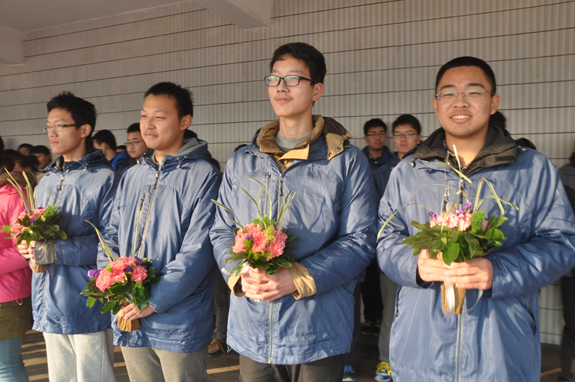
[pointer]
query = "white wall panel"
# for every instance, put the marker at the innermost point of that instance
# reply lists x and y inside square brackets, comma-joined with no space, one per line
[382,57]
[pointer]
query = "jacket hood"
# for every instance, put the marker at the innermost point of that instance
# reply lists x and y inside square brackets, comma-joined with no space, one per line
[93,158]
[499,148]
[192,149]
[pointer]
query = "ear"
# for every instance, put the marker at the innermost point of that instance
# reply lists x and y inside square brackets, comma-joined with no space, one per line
[317,92]
[495,103]
[185,122]
[435,105]
[85,130]
[365,139]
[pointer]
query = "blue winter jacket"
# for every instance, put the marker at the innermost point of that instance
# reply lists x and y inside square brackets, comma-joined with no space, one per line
[498,340]
[333,220]
[173,200]
[82,190]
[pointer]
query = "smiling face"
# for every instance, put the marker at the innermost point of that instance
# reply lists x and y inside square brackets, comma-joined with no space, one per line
[463,119]
[161,128]
[293,102]
[71,141]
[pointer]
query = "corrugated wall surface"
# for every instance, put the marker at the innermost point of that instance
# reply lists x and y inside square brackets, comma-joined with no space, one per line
[382,58]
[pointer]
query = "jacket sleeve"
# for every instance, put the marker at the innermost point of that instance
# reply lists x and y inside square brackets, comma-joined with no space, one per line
[10,258]
[221,233]
[354,248]
[195,260]
[83,250]
[548,226]
[395,258]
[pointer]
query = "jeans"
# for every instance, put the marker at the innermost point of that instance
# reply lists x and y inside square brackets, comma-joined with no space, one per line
[11,364]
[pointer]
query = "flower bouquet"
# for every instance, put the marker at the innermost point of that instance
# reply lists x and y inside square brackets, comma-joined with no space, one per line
[458,235]
[261,243]
[125,279]
[35,224]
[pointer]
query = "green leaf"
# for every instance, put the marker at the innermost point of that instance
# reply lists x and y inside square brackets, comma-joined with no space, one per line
[109,306]
[451,253]
[90,302]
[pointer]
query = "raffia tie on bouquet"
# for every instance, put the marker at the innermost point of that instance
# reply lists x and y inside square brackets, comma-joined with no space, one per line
[128,325]
[453,298]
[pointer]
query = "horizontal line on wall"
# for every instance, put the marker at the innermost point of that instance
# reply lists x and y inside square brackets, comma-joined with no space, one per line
[300,35]
[253,81]
[112,25]
[430,90]
[335,9]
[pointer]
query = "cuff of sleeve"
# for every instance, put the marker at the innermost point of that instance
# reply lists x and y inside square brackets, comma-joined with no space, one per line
[45,252]
[304,283]
[235,284]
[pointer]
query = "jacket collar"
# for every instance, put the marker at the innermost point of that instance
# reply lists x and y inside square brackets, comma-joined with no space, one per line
[92,158]
[336,140]
[192,149]
[499,149]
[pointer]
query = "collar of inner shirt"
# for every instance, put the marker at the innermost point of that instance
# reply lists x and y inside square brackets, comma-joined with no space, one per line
[453,158]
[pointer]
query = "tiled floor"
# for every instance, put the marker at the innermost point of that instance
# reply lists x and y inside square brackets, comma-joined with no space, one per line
[225,367]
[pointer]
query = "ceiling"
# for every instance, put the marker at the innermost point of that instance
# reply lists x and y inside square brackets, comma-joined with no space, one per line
[18,17]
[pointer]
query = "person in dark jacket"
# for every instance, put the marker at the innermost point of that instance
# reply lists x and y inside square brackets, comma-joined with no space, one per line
[163,211]
[82,184]
[375,135]
[496,337]
[296,325]
[104,140]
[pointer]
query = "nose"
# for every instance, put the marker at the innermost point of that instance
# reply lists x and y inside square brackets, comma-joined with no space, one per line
[460,101]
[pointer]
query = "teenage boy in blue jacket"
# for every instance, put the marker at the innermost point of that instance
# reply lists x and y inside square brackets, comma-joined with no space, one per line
[296,325]
[163,211]
[82,184]
[498,339]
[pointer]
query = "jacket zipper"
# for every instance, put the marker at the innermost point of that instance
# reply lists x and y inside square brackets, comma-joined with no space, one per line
[267,206]
[148,215]
[271,317]
[138,216]
[458,348]
[397,301]
[46,273]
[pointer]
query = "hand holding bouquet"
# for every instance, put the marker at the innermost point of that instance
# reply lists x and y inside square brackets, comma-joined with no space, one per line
[262,243]
[124,280]
[35,224]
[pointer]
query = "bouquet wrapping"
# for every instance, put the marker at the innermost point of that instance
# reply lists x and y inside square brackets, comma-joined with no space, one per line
[35,224]
[124,280]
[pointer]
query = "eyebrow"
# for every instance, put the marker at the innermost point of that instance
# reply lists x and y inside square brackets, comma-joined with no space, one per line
[293,71]
[156,111]
[470,85]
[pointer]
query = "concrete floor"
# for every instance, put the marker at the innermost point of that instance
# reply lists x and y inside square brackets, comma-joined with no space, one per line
[225,367]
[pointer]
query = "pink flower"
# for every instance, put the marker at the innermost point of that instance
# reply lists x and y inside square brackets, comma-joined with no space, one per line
[258,237]
[484,225]
[118,266]
[104,280]
[39,211]
[451,220]
[128,260]
[464,221]
[276,247]
[22,215]
[240,245]
[118,276]
[139,274]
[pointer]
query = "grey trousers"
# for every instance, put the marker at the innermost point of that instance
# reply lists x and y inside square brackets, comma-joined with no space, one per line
[156,365]
[388,293]
[85,357]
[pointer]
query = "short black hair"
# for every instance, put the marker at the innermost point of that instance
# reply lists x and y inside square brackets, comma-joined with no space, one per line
[105,136]
[468,61]
[311,57]
[40,149]
[376,122]
[182,96]
[407,119]
[25,145]
[134,128]
[82,111]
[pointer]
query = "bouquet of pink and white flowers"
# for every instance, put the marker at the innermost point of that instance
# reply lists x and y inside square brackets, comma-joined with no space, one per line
[125,279]
[261,243]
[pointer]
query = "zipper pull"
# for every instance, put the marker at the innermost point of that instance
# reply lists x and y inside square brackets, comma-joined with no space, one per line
[445,201]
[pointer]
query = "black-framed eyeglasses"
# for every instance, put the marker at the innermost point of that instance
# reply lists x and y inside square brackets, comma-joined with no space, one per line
[56,128]
[133,143]
[406,135]
[289,81]
[470,95]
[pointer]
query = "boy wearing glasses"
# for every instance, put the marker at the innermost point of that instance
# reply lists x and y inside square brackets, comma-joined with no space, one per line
[375,135]
[135,145]
[496,338]
[82,184]
[297,325]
